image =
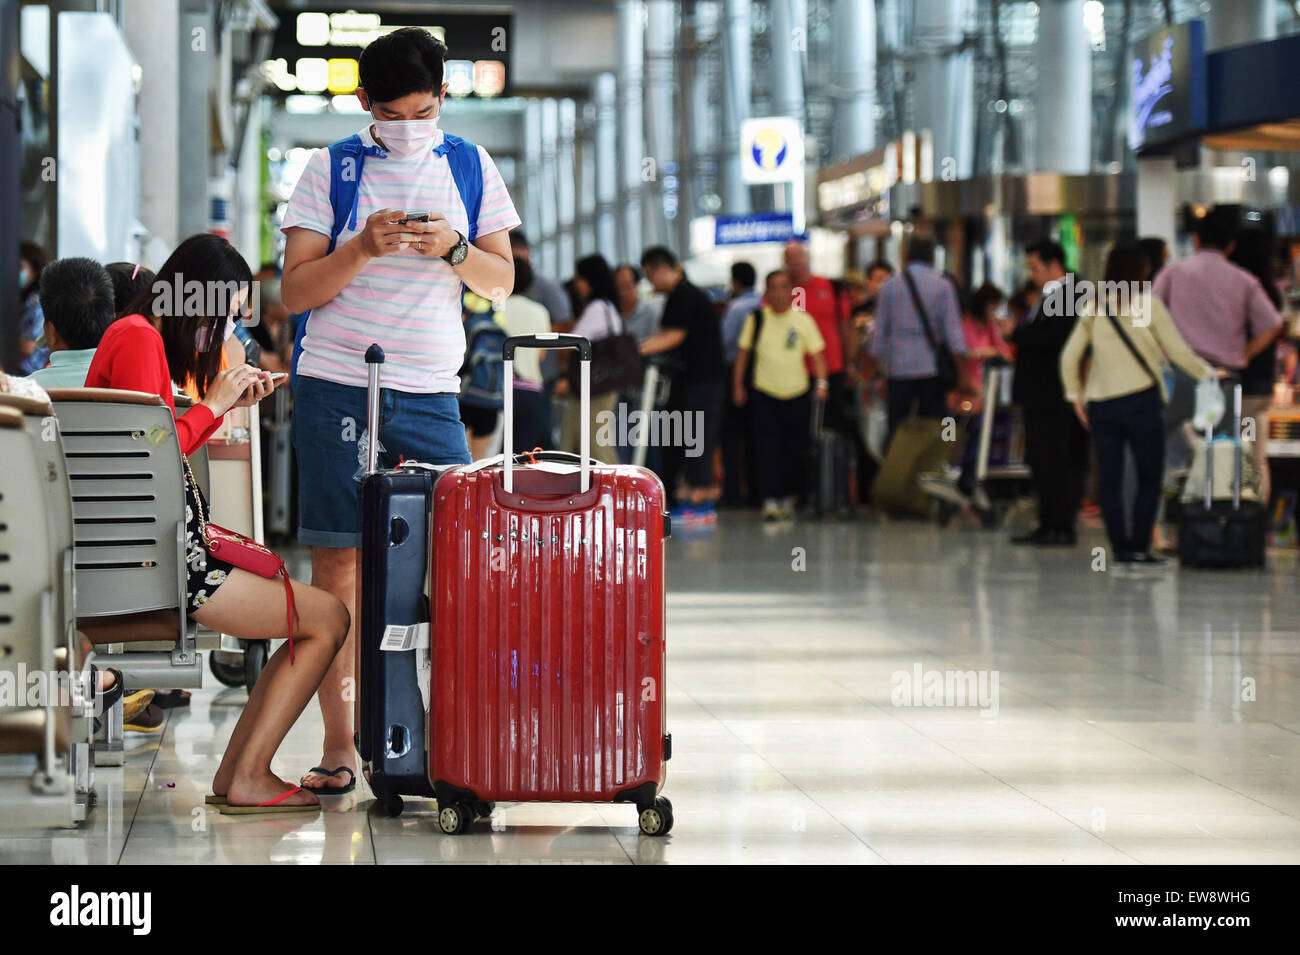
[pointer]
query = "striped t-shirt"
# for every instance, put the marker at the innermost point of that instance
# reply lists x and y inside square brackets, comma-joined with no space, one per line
[407,302]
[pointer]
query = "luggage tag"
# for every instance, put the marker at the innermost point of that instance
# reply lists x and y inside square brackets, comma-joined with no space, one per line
[398,638]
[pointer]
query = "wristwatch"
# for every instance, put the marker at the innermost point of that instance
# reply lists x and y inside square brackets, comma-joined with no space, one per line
[458,252]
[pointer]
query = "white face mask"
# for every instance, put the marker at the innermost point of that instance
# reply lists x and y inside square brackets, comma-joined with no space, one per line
[203,337]
[404,138]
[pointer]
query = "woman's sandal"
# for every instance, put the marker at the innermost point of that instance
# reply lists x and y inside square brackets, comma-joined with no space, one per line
[270,806]
[212,799]
[106,699]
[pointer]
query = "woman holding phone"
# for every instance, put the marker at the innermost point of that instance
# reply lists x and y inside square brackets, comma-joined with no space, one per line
[168,337]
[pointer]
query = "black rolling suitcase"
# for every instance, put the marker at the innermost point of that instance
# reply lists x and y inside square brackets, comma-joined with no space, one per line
[1223,532]
[830,468]
[392,697]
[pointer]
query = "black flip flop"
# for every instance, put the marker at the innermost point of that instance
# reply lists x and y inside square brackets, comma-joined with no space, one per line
[330,790]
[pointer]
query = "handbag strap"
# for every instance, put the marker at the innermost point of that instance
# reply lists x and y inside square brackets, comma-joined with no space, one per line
[921,312]
[1141,359]
[198,498]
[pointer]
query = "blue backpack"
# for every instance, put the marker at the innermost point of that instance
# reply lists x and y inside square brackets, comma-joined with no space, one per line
[347,156]
[483,376]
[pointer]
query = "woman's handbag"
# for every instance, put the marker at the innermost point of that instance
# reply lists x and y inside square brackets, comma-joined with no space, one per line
[616,364]
[243,552]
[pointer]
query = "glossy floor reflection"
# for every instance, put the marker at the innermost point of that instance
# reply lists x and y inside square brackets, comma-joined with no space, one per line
[1137,719]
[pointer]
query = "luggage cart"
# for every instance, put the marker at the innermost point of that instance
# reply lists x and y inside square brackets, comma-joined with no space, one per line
[1001,474]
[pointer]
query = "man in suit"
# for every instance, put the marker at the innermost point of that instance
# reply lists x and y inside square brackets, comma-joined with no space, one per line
[1056,445]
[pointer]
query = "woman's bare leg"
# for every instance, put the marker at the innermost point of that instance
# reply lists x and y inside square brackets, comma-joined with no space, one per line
[251,606]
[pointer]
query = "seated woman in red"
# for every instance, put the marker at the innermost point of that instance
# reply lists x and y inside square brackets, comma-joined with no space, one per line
[166,338]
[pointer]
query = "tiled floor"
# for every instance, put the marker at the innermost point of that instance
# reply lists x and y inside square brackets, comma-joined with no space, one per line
[1125,728]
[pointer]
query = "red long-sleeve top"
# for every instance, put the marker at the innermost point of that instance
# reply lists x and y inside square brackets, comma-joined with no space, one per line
[130,356]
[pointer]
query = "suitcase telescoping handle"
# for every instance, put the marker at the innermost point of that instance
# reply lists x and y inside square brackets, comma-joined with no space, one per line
[548,340]
[374,358]
[1236,454]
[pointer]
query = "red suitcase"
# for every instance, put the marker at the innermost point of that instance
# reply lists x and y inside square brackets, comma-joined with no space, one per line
[547,638]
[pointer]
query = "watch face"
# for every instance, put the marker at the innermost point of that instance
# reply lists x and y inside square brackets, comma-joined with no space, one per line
[458,252]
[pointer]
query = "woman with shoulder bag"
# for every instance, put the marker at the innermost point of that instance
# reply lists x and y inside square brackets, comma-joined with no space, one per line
[598,319]
[158,345]
[1124,398]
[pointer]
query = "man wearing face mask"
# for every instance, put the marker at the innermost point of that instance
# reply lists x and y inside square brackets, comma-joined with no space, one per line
[379,279]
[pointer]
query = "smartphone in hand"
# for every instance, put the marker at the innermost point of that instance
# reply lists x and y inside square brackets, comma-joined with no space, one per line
[414,217]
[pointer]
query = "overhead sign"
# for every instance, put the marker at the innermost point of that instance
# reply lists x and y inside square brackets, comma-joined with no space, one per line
[317,51]
[1168,87]
[760,227]
[771,150]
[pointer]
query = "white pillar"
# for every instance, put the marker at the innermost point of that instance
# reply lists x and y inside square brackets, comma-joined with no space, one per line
[1157,198]
[737,54]
[550,187]
[788,35]
[532,172]
[604,95]
[151,28]
[853,80]
[586,172]
[565,182]
[944,96]
[630,19]
[1063,94]
[661,143]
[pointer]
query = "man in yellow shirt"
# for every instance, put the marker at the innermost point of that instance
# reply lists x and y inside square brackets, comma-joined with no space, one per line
[779,390]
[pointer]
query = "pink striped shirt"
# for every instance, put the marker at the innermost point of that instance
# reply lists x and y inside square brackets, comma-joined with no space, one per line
[406,302]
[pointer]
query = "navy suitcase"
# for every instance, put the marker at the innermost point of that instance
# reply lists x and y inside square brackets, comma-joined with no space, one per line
[830,468]
[392,666]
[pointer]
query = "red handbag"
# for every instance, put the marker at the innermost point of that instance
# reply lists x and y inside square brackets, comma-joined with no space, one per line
[243,552]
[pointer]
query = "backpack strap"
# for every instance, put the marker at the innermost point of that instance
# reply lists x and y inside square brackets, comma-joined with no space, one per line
[347,156]
[467,170]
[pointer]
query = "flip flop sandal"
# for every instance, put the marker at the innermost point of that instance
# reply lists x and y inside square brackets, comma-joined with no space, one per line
[171,699]
[107,698]
[212,799]
[331,790]
[270,806]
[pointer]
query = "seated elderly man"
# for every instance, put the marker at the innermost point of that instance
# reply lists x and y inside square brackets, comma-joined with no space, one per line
[77,299]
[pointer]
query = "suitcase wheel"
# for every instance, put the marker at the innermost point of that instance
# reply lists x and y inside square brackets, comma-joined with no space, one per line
[389,804]
[455,818]
[656,819]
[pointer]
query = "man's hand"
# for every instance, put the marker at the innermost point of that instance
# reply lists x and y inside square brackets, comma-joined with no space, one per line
[738,396]
[822,389]
[384,236]
[435,238]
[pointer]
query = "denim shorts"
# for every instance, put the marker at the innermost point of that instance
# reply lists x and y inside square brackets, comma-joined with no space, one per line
[330,439]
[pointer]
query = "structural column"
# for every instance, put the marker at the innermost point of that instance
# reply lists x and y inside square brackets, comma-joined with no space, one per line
[661,143]
[853,78]
[1063,92]
[943,82]
[604,97]
[566,171]
[630,19]
[737,88]
[549,252]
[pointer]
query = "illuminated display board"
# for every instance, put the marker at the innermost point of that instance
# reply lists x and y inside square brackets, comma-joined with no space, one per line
[317,51]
